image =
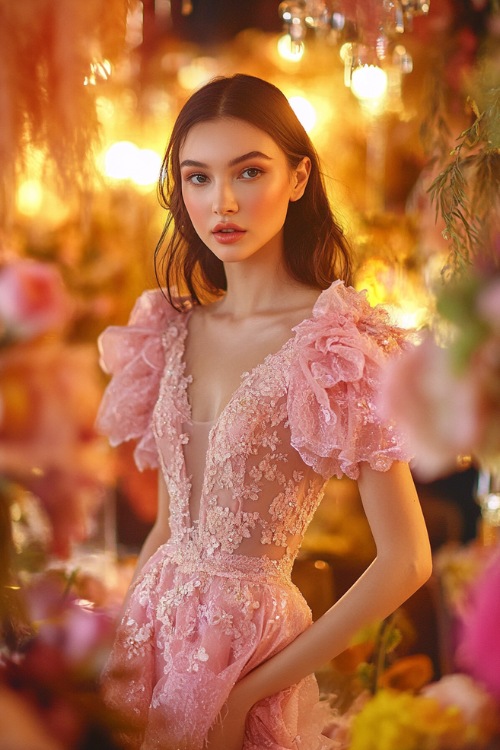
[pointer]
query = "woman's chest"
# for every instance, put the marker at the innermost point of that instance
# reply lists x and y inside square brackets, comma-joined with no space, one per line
[218,362]
[255,408]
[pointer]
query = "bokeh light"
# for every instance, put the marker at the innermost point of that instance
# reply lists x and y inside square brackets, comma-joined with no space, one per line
[304,111]
[126,161]
[369,82]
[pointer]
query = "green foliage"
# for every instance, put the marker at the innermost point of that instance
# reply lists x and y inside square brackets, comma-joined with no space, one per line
[457,304]
[388,639]
[466,191]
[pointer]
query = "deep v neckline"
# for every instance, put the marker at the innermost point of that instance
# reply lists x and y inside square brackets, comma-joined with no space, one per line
[194,522]
[188,378]
[247,374]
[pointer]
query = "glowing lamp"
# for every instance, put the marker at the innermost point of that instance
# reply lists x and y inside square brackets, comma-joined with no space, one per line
[126,161]
[369,82]
[289,51]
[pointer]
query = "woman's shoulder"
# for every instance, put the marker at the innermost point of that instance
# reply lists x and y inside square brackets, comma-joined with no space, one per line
[147,325]
[134,355]
[347,312]
[153,308]
[335,375]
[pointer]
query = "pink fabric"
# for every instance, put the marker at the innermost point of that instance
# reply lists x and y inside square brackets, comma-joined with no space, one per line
[134,355]
[217,600]
[334,383]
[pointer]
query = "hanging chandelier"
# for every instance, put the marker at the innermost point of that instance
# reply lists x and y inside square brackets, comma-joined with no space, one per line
[367,33]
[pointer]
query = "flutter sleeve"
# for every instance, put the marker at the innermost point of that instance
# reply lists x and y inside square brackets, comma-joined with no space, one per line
[335,374]
[134,356]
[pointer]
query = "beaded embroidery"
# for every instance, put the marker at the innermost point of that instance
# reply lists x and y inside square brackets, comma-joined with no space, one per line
[216,600]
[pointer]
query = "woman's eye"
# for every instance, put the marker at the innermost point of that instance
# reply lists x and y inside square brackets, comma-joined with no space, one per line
[251,172]
[197,179]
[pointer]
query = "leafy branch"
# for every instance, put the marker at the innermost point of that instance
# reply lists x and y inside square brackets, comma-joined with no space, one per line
[466,192]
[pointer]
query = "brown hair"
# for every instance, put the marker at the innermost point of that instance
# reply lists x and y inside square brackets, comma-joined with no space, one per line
[315,249]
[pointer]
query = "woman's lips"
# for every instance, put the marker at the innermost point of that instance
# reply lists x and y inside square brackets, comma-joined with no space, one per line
[226,234]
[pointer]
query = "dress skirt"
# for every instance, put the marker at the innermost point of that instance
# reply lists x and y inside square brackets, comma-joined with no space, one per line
[193,628]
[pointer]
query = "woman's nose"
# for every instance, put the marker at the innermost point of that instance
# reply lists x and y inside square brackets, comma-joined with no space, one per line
[224,200]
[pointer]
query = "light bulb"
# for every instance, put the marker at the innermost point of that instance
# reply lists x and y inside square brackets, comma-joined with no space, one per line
[289,51]
[369,82]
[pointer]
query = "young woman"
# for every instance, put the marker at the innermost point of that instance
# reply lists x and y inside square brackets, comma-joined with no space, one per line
[249,393]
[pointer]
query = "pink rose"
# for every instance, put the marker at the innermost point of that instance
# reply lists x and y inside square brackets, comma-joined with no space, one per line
[79,633]
[33,299]
[437,410]
[478,651]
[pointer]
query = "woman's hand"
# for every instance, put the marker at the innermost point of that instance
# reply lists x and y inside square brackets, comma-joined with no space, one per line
[228,730]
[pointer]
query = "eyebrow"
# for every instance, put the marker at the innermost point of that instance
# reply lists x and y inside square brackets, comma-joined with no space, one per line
[232,163]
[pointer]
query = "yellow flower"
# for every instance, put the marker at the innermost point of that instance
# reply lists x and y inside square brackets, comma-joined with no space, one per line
[395,720]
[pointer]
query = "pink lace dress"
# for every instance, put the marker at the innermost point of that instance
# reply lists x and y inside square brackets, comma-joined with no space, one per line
[216,600]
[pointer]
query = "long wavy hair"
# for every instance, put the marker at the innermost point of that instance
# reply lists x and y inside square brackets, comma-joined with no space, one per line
[316,251]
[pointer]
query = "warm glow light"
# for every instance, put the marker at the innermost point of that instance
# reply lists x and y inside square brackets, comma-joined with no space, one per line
[146,168]
[126,161]
[134,27]
[345,51]
[369,82]
[289,51]
[105,108]
[29,197]
[410,319]
[405,297]
[119,160]
[196,73]
[304,111]
[100,70]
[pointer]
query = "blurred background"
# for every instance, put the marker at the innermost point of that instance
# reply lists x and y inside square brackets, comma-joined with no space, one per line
[402,100]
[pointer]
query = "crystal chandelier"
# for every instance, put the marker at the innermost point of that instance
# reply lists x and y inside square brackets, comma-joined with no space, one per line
[367,32]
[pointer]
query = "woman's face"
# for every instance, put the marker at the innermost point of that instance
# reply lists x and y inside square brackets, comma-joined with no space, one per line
[236,186]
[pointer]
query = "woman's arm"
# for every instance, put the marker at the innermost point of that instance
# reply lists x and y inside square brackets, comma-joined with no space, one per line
[159,534]
[401,566]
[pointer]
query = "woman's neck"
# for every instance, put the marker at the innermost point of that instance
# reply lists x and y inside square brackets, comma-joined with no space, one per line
[259,287]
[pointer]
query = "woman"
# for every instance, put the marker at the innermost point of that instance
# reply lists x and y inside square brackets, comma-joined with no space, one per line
[249,393]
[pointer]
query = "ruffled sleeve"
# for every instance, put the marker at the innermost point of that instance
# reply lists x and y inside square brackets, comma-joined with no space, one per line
[134,356]
[336,369]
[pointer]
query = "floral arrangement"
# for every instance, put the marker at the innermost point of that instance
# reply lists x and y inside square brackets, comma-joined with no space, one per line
[50,388]
[460,711]
[49,696]
[56,618]
[454,713]
[398,706]
[446,391]
[478,650]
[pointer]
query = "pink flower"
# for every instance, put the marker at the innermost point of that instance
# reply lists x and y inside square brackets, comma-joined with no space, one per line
[49,395]
[79,633]
[488,303]
[434,407]
[484,373]
[33,299]
[474,702]
[478,651]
